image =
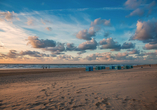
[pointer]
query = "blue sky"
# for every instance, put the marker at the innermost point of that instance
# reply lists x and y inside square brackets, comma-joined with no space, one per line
[78,31]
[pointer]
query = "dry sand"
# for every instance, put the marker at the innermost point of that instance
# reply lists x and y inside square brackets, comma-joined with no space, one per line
[131,89]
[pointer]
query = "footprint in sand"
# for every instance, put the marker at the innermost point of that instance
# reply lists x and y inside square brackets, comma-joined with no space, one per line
[78,92]
[71,102]
[104,101]
[43,90]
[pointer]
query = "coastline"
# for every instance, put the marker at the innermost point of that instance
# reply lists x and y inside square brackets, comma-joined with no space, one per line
[12,72]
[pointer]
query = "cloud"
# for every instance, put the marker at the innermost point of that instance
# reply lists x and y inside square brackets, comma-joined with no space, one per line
[57,49]
[94,28]
[30,21]
[107,34]
[146,32]
[1,44]
[150,46]
[132,4]
[49,28]
[108,56]
[45,21]
[151,55]
[13,37]
[14,54]
[11,54]
[42,21]
[91,57]
[33,53]
[8,15]
[109,43]
[86,34]
[134,51]
[138,11]
[71,47]
[91,45]
[81,52]
[37,43]
[68,57]
[121,56]
[128,45]
[139,8]
[100,21]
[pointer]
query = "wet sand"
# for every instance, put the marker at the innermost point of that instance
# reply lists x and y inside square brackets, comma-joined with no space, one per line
[68,89]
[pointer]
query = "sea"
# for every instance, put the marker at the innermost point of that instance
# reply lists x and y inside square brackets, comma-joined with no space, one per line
[49,66]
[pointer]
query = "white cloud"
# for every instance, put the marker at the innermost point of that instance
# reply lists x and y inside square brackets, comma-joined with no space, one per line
[30,21]
[8,15]
[12,36]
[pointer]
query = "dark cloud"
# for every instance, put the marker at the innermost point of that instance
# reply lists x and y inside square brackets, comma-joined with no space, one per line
[37,43]
[86,34]
[11,54]
[33,53]
[14,54]
[135,51]
[57,49]
[109,43]
[90,45]
[71,47]
[49,28]
[128,45]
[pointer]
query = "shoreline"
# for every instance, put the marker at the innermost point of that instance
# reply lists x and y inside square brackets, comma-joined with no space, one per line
[13,72]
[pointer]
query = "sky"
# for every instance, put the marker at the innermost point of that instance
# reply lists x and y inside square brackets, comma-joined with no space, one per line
[78,31]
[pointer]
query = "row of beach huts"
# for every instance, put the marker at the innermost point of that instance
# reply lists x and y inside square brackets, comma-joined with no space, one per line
[90,68]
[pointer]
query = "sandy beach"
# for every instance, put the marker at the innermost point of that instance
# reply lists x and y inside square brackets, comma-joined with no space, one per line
[76,89]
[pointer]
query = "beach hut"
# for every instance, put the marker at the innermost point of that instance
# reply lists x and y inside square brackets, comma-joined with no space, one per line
[89,68]
[112,67]
[98,68]
[126,67]
[102,67]
[117,67]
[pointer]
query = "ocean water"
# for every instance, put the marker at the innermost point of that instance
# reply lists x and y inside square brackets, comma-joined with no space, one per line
[41,66]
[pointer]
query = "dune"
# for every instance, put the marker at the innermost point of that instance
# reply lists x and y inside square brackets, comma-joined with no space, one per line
[76,89]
